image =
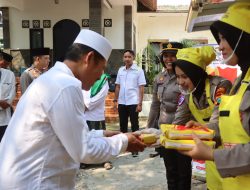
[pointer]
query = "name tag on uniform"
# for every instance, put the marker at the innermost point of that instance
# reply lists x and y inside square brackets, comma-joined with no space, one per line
[224,113]
[181,100]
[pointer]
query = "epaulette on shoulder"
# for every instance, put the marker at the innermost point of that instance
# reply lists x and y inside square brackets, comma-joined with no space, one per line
[216,80]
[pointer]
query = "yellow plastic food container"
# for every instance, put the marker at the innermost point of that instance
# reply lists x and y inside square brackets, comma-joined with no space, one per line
[148,138]
[183,133]
[181,144]
[165,127]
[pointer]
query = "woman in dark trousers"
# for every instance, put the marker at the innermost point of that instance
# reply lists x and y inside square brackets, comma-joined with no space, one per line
[201,93]
[231,119]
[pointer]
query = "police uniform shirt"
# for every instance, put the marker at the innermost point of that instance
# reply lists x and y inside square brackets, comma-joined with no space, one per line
[183,113]
[28,76]
[168,94]
[233,163]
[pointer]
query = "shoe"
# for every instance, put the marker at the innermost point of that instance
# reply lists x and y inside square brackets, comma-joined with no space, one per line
[135,154]
[152,155]
[108,165]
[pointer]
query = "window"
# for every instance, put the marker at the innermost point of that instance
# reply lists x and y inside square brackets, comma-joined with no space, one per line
[36,38]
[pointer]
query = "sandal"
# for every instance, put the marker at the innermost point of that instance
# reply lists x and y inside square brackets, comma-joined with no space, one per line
[108,165]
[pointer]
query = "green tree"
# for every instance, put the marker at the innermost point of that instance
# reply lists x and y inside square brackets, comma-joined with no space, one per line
[148,59]
[188,43]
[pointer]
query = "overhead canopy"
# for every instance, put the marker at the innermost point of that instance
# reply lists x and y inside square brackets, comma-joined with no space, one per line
[202,13]
[144,5]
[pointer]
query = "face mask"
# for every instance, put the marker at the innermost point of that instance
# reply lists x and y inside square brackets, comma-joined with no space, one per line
[225,61]
[186,91]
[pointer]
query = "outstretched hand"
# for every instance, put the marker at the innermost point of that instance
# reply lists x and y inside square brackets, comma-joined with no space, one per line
[192,123]
[153,131]
[134,143]
[201,151]
[108,133]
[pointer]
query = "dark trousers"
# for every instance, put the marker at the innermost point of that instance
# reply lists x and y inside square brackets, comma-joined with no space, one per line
[2,131]
[97,125]
[178,169]
[126,112]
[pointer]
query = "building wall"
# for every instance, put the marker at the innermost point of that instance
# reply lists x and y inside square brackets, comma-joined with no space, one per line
[115,33]
[48,10]
[134,27]
[147,25]
[44,10]
[165,26]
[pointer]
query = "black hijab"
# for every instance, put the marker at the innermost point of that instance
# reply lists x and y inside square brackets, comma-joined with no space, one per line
[196,74]
[232,35]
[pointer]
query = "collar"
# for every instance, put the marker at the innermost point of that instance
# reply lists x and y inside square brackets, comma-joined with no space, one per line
[33,67]
[64,68]
[133,67]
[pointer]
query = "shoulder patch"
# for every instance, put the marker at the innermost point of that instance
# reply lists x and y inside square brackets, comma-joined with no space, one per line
[217,96]
[181,99]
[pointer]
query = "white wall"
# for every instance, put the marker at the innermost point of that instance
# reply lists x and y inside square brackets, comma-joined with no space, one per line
[114,34]
[44,10]
[75,10]
[134,21]
[165,26]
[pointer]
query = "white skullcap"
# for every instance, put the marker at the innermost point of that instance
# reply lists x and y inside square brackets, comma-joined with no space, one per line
[95,41]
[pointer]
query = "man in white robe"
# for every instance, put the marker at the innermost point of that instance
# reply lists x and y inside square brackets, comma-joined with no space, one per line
[48,137]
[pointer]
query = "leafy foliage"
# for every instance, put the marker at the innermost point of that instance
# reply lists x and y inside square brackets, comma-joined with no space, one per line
[188,43]
[149,60]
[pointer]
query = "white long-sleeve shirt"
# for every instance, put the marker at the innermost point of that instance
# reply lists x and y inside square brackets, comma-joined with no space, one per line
[48,137]
[7,93]
[95,105]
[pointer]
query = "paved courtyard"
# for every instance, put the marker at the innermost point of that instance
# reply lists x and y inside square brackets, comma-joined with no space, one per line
[129,173]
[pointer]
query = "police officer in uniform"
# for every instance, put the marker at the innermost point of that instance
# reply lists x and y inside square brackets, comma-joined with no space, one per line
[40,64]
[231,119]
[201,93]
[164,104]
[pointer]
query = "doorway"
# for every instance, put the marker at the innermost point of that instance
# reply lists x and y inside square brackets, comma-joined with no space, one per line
[36,38]
[64,34]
